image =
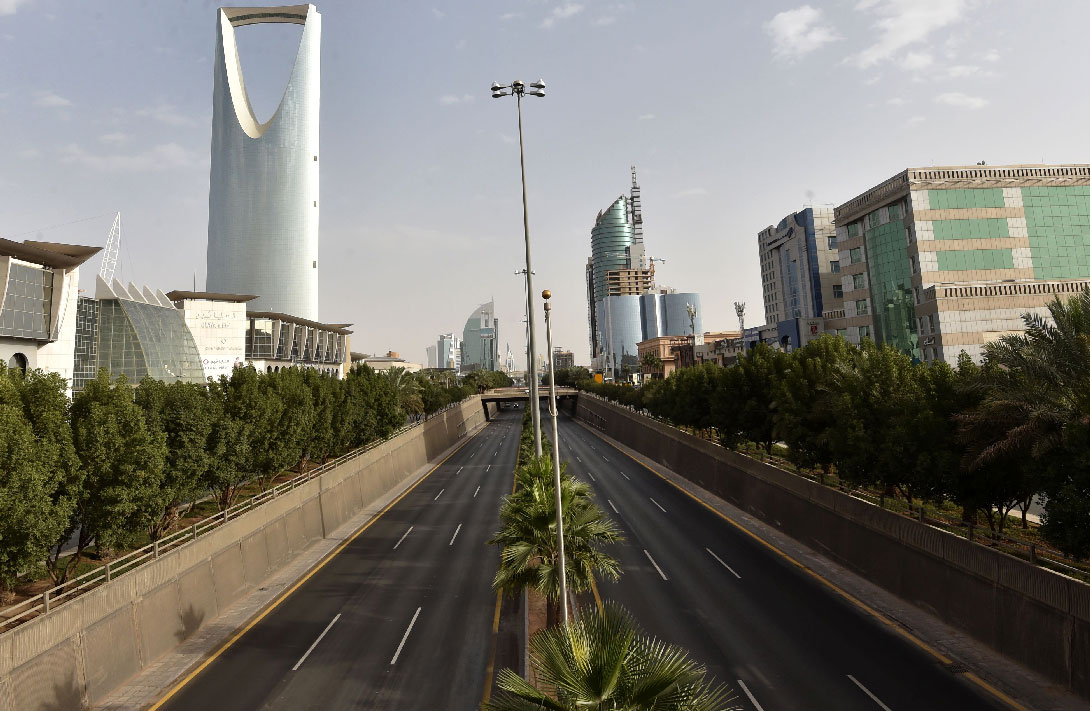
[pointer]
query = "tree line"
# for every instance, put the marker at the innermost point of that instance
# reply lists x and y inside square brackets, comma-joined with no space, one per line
[118,464]
[989,437]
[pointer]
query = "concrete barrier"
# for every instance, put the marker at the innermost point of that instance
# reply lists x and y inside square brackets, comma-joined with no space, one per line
[1032,615]
[75,655]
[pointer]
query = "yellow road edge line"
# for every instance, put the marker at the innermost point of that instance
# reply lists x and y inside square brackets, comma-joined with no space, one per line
[905,634]
[321,564]
[491,668]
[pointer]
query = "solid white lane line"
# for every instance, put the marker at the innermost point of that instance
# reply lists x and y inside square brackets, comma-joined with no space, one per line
[657,504]
[625,476]
[749,695]
[867,691]
[311,648]
[455,535]
[654,564]
[476,492]
[400,646]
[402,537]
[591,477]
[439,494]
[722,563]
[613,507]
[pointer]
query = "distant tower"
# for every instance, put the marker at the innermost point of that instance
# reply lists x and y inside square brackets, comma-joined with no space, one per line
[263,194]
[740,309]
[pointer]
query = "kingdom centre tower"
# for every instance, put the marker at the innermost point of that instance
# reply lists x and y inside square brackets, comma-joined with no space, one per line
[263,192]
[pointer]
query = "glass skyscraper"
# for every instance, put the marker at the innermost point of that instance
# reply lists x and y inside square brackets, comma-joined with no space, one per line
[263,193]
[480,340]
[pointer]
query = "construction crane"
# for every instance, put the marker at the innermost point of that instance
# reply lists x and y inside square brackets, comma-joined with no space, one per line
[109,255]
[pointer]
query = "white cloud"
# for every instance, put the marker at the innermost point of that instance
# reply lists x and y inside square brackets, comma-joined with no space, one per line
[903,23]
[50,100]
[605,20]
[116,137]
[961,101]
[798,32]
[165,113]
[561,12]
[9,7]
[645,117]
[439,14]
[691,192]
[452,99]
[166,156]
[992,55]
[509,140]
[915,61]
[916,120]
[896,101]
[507,16]
[959,71]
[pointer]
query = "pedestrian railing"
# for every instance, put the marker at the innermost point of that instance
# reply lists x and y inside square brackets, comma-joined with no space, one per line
[46,601]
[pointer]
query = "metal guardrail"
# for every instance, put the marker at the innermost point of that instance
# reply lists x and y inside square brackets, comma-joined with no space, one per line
[46,601]
[1046,558]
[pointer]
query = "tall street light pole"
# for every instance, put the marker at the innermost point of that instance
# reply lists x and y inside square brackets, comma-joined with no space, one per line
[526,320]
[546,295]
[517,89]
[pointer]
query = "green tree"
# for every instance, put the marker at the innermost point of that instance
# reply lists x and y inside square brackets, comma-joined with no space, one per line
[181,413]
[283,421]
[602,660]
[530,557]
[651,361]
[407,388]
[232,401]
[121,461]
[744,407]
[327,398]
[36,508]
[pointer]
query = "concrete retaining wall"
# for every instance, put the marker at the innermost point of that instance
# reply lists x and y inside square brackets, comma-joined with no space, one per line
[1036,617]
[78,653]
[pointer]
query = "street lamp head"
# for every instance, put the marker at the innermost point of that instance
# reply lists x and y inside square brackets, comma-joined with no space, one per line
[498,94]
[539,84]
[496,86]
[546,294]
[536,93]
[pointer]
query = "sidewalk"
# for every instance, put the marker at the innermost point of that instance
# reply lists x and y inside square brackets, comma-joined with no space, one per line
[1031,690]
[155,680]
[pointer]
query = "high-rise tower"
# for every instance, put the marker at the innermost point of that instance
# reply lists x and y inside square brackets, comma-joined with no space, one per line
[263,193]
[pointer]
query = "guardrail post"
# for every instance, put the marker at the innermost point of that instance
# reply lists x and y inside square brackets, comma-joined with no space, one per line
[155,547]
[45,602]
[226,514]
[1033,553]
[971,530]
[107,571]
[193,528]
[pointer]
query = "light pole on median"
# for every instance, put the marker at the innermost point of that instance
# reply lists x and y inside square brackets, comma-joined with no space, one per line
[517,89]
[546,295]
[526,320]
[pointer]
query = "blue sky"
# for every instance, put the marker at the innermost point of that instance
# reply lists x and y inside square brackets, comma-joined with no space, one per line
[735,114]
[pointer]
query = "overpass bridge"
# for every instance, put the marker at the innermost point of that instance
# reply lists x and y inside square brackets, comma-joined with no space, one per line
[516,395]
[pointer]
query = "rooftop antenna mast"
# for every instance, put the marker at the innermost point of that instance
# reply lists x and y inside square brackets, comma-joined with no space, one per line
[109,256]
[740,309]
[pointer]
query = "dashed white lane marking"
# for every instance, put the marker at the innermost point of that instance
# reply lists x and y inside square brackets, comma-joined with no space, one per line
[439,494]
[625,476]
[613,507]
[402,537]
[407,631]
[476,492]
[311,647]
[657,504]
[579,460]
[749,695]
[488,467]
[605,457]
[459,470]
[867,691]
[654,564]
[722,563]
[455,535]
[591,477]
[497,453]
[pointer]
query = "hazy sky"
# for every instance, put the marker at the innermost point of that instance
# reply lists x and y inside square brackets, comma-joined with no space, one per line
[735,114]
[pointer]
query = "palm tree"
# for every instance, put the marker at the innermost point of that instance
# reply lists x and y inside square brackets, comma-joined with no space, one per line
[408,390]
[651,361]
[528,536]
[602,660]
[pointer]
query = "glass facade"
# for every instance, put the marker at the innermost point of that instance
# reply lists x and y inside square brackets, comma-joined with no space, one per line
[890,276]
[961,199]
[1058,225]
[480,339]
[986,228]
[610,239]
[85,365]
[138,340]
[975,259]
[621,323]
[27,303]
[263,191]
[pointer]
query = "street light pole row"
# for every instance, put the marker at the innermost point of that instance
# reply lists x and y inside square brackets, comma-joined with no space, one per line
[517,89]
[546,295]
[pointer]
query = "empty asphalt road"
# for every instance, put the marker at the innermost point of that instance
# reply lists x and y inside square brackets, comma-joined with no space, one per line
[783,640]
[400,619]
